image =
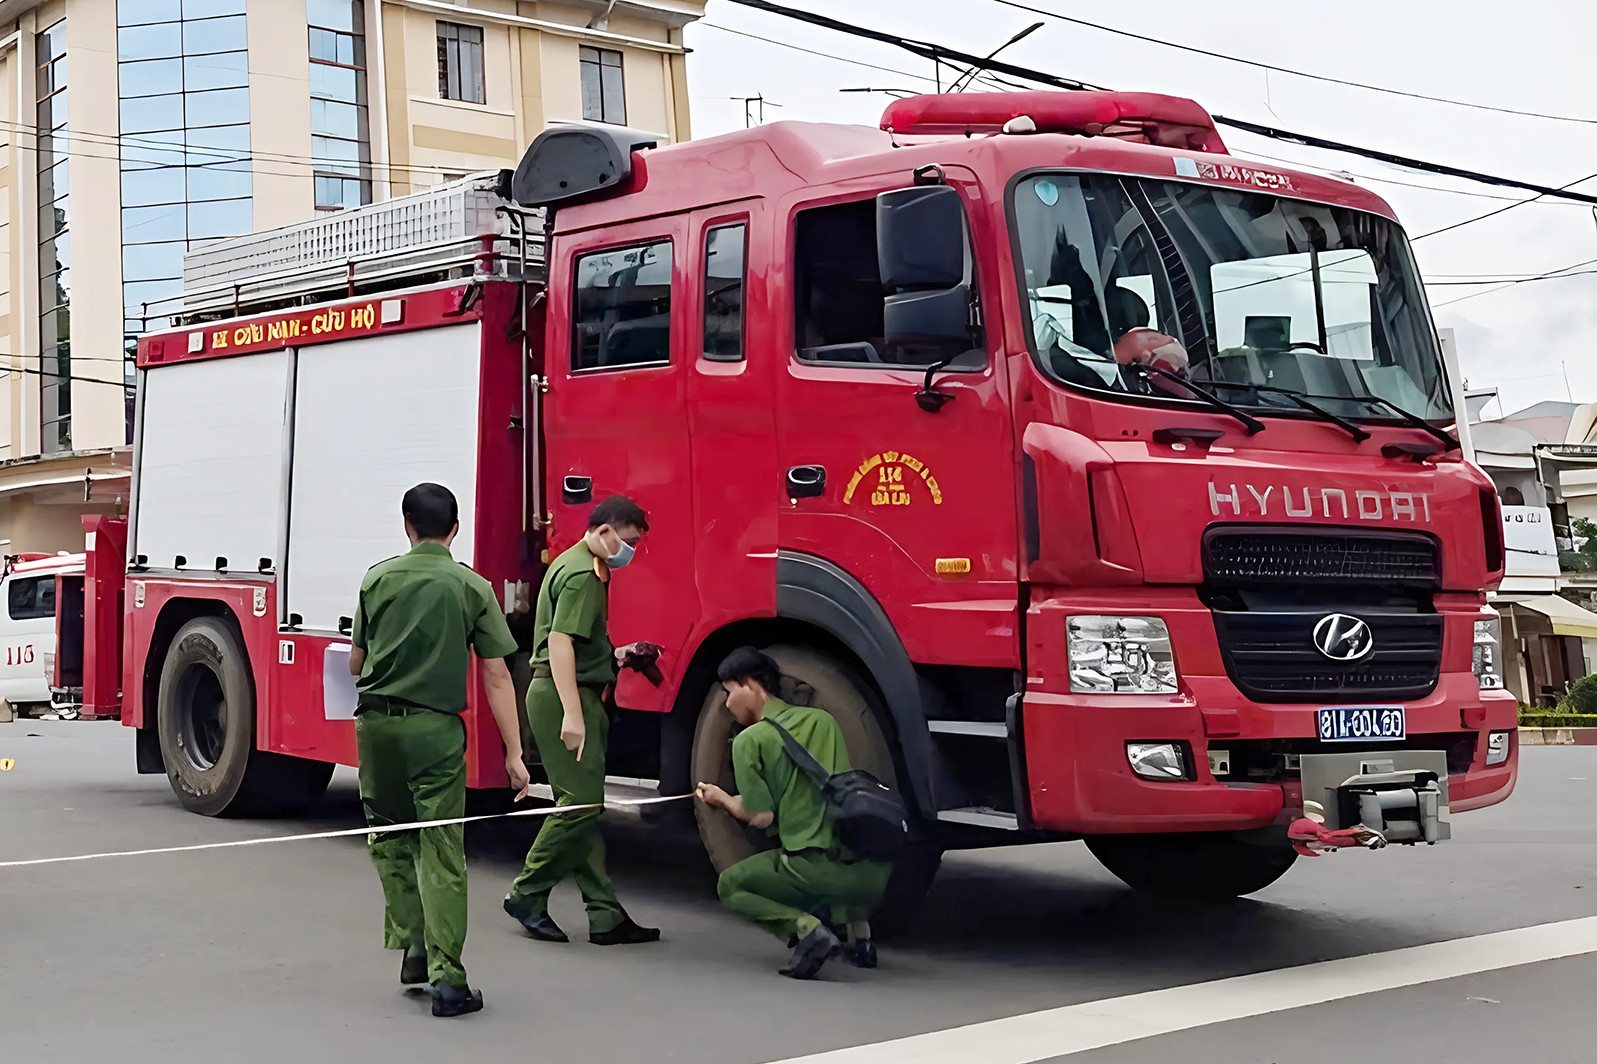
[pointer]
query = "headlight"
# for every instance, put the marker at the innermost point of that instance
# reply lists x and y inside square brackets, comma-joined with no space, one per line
[1488,655]
[1120,655]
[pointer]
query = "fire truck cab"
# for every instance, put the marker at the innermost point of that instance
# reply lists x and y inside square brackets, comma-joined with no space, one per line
[1099,483]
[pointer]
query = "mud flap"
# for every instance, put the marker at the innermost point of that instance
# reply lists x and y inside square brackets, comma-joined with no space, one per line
[147,752]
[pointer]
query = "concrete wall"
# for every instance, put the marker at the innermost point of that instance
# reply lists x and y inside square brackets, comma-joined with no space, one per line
[280,113]
[98,410]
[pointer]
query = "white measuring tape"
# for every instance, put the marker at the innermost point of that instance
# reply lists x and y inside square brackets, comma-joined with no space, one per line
[341,833]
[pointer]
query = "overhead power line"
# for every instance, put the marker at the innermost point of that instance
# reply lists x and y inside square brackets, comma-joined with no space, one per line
[1273,68]
[1572,270]
[940,53]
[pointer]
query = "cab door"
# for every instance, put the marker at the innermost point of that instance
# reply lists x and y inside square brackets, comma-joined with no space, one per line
[616,422]
[914,501]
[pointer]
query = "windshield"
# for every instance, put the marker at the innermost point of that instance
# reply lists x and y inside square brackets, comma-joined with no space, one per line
[1238,292]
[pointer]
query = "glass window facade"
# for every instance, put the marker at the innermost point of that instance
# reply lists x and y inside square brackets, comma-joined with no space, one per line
[183,85]
[55,244]
[604,96]
[460,72]
[340,131]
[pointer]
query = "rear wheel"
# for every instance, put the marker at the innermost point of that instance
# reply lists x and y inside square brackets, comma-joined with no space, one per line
[1197,867]
[205,720]
[810,678]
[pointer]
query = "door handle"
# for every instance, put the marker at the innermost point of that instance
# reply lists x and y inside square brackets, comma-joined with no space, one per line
[806,482]
[575,491]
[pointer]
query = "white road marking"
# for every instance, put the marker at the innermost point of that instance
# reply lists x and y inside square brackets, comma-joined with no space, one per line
[1094,1024]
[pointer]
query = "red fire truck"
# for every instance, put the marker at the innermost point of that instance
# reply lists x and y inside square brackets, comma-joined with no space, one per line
[1099,482]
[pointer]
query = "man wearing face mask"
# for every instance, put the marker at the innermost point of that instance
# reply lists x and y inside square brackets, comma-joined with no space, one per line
[573,661]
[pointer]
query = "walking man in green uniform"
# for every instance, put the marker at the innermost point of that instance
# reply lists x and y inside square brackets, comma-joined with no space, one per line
[419,618]
[573,662]
[810,881]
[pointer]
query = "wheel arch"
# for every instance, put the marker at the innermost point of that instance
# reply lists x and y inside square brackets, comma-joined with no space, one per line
[175,613]
[820,606]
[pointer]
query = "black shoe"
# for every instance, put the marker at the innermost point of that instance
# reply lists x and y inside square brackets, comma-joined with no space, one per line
[540,926]
[450,1000]
[626,933]
[861,954]
[813,950]
[413,969]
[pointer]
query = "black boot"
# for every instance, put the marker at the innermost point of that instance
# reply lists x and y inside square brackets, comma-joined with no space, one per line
[813,950]
[861,953]
[413,969]
[626,933]
[540,926]
[450,1000]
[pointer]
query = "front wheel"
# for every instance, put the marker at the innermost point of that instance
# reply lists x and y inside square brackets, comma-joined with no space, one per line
[1196,867]
[812,678]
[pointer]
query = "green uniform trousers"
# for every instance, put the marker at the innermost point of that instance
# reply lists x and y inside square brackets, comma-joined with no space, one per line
[569,845]
[414,768]
[788,894]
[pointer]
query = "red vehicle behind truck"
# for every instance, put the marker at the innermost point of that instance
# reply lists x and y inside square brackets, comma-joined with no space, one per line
[1097,481]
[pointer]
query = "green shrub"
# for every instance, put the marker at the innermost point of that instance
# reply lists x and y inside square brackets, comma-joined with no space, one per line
[1582,697]
[1555,719]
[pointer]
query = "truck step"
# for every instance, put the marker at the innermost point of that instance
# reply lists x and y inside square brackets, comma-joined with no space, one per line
[616,788]
[980,817]
[978,728]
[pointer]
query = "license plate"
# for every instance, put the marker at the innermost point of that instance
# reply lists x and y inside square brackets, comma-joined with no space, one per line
[1351,724]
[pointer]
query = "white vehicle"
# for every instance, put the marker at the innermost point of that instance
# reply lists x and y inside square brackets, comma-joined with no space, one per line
[30,590]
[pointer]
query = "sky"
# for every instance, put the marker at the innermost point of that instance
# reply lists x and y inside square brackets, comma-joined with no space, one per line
[1534,55]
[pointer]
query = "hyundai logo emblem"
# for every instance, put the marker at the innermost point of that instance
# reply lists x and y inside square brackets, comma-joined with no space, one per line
[1343,638]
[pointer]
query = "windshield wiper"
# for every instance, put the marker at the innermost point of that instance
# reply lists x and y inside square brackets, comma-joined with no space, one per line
[1251,423]
[1449,442]
[1303,402]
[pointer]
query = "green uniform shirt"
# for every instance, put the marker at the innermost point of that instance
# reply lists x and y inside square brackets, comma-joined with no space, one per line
[768,780]
[418,619]
[575,600]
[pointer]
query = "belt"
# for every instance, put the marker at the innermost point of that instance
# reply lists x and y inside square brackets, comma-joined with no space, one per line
[543,672]
[392,707]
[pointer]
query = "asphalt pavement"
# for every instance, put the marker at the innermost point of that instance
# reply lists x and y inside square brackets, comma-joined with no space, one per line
[273,952]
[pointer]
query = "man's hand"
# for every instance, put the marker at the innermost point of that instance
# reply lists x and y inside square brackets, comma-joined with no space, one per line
[711,795]
[520,779]
[574,733]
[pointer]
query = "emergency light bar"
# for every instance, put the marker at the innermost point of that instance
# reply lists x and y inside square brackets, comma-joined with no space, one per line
[1151,118]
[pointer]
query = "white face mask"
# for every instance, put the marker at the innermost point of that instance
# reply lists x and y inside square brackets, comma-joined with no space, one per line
[622,557]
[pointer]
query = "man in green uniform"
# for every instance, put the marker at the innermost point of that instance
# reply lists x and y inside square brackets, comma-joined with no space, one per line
[419,618]
[573,662]
[811,875]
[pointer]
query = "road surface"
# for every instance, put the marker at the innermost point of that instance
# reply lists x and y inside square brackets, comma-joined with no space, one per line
[272,953]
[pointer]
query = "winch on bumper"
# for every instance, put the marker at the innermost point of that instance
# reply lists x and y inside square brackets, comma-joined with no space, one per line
[1402,794]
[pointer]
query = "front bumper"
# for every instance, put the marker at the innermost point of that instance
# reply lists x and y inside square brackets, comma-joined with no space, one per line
[1079,780]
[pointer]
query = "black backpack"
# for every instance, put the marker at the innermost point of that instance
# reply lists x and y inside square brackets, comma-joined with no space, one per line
[869,818]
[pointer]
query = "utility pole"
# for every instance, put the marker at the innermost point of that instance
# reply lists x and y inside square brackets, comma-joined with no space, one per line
[749,103]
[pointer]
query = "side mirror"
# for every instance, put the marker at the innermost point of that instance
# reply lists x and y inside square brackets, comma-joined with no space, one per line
[920,238]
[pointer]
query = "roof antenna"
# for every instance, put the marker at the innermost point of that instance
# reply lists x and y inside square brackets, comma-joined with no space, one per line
[963,83]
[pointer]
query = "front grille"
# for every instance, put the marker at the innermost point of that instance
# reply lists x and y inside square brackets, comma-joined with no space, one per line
[1233,556]
[1271,657]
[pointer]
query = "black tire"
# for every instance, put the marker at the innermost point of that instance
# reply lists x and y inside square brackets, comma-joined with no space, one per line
[1196,867]
[812,678]
[205,720]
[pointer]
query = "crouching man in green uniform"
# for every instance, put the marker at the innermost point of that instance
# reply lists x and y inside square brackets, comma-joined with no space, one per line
[811,880]
[573,662]
[419,617]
